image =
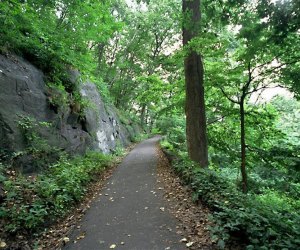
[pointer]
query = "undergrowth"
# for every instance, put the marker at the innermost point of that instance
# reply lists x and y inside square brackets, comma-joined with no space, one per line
[32,202]
[266,221]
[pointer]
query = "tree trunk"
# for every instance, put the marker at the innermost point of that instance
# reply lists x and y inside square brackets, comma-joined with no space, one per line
[195,104]
[100,54]
[243,147]
[143,113]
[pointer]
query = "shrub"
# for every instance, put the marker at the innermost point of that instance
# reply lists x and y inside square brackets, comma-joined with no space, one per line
[31,202]
[262,222]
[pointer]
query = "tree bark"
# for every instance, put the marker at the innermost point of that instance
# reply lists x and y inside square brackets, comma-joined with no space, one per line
[143,113]
[195,104]
[243,147]
[100,54]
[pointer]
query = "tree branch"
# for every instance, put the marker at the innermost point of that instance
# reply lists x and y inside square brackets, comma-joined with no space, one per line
[216,120]
[228,97]
[276,68]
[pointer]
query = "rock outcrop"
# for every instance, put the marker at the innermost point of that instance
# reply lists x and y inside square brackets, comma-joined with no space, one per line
[102,122]
[23,93]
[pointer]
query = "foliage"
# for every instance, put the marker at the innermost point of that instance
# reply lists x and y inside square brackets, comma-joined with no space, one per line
[139,137]
[36,151]
[288,110]
[119,150]
[29,128]
[2,174]
[133,53]
[266,217]
[53,32]
[57,36]
[34,201]
[173,128]
[58,97]
[132,60]
[267,221]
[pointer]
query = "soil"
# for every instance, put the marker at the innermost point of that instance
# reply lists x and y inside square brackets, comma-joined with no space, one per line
[192,216]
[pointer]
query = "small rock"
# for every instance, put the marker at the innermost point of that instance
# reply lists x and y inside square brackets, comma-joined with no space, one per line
[2,244]
[189,244]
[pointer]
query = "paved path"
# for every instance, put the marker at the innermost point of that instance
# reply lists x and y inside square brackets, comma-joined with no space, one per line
[130,210]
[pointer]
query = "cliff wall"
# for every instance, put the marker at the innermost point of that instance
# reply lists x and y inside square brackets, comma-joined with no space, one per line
[24,94]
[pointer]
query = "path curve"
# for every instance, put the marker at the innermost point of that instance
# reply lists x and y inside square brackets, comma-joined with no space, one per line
[130,212]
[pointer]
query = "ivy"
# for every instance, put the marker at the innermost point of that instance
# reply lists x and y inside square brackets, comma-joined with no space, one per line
[258,223]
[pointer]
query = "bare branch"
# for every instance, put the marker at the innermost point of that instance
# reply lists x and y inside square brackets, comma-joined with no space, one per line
[216,120]
[266,63]
[258,97]
[228,97]
[260,88]
[246,87]
[269,71]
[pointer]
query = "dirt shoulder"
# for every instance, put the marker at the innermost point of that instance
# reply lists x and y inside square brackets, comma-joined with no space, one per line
[193,217]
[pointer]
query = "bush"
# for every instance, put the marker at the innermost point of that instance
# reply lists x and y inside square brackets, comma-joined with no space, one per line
[173,127]
[31,202]
[262,222]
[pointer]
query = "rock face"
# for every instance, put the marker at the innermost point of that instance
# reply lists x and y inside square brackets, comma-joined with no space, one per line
[102,122]
[23,93]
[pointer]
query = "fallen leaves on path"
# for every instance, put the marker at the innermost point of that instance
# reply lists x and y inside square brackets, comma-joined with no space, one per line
[192,218]
[2,244]
[53,237]
[81,236]
[57,236]
[66,239]
[189,244]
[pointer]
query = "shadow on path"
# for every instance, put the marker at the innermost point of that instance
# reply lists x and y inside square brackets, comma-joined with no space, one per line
[129,213]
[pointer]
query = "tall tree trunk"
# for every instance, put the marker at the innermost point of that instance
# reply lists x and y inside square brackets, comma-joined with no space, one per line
[195,104]
[243,146]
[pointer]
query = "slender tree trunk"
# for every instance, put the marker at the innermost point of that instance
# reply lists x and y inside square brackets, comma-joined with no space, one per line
[243,146]
[100,54]
[143,113]
[195,104]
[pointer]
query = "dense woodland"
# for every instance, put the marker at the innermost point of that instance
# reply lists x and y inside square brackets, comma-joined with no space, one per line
[202,74]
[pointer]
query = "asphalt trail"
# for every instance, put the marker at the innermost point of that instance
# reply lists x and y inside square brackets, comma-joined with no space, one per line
[130,213]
